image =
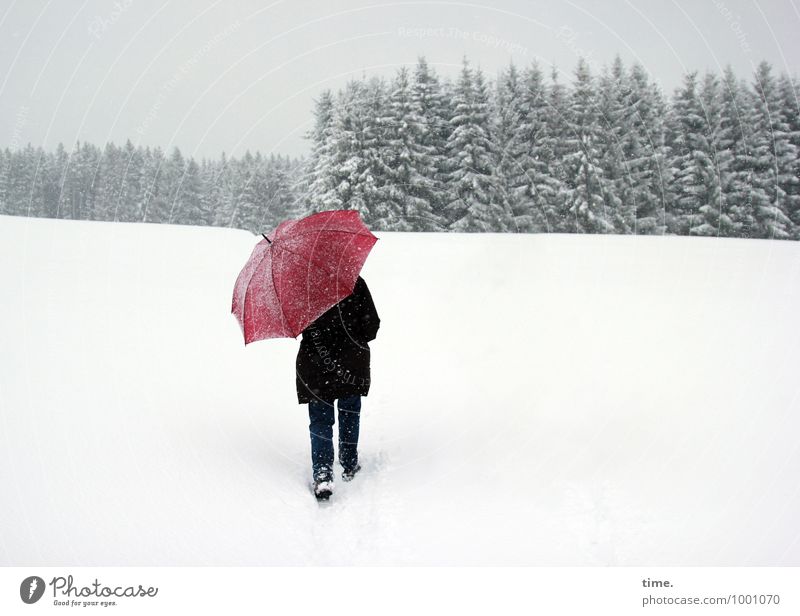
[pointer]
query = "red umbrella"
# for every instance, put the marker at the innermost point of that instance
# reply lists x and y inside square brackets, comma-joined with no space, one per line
[303,268]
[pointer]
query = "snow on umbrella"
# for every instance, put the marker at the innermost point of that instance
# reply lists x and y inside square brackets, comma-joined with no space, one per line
[299,271]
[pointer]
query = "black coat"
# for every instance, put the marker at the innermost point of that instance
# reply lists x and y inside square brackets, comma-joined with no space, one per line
[333,360]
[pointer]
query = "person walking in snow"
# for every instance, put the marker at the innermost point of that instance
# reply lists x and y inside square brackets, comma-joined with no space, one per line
[333,363]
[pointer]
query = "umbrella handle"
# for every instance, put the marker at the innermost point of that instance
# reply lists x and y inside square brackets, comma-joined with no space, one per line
[266,238]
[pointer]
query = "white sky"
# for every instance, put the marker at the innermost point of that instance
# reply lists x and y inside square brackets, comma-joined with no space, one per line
[214,75]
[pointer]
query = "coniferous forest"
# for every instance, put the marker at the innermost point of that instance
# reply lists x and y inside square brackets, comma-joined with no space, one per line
[526,152]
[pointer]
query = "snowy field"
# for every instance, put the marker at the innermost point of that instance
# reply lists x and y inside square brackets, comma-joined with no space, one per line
[536,400]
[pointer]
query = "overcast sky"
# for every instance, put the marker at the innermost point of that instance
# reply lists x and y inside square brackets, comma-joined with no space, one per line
[231,75]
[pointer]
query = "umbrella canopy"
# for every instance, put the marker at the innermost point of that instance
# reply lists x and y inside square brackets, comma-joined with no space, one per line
[299,271]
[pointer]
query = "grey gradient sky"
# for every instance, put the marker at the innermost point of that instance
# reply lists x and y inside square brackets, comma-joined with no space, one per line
[231,75]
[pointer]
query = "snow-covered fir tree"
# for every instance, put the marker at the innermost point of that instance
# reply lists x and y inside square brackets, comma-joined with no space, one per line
[352,183]
[586,206]
[723,108]
[103,180]
[174,168]
[248,194]
[789,92]
[154,186]
[69,196]
[318,174]
[193,202]
[132,195]
[615,122]
[693,182]
[429,95]
[408,167]
[553,151]
[279,203]
[34,201]
[77,197]
[712,217]
[512,134]
[770,158]
[645,153]
[536,159]
[370,184]
[472,159]
[221,193]
[5,163]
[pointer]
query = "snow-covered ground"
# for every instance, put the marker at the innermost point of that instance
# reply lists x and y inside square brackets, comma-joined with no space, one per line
[536,399]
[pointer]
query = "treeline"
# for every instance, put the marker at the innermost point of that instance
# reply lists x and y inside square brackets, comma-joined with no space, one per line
[136,184]
[607,153]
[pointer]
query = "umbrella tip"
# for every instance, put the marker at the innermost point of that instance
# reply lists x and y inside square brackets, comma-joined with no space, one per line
[266,238]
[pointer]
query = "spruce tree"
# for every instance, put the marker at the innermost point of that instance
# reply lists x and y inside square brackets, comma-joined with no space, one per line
[280,203]
[318,174]
[713,219]
[36,161]
[727,216]
[156,192]
[407,165]
[771,153]
[351,184]
[615,123]
[373,192]
[692,181]
[472,159]
[106,181]
[174,168]
[513,139]
[5,164]
[548,130]
[247,194]
[221,192]
[586,205]
[790,110]
[540,187]
[194,207]
[70,186]
[132,195]
[644,153]
[428,94]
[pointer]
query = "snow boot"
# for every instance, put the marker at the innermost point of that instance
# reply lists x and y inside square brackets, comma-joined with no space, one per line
[348,474]
[323,488]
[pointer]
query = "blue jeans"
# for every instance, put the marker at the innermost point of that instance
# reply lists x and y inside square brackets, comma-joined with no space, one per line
[321,415]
